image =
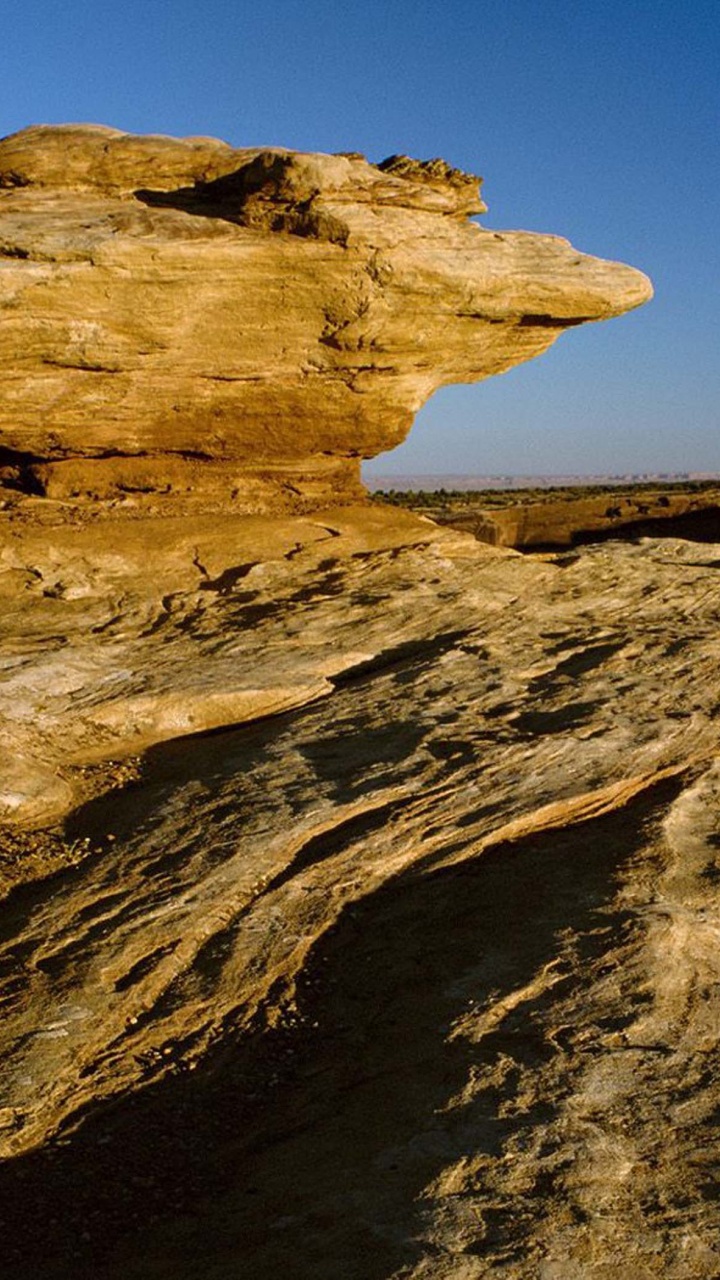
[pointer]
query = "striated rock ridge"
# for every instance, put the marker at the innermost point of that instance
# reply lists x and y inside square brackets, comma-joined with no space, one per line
[411,980]
[187,322]
[190,329]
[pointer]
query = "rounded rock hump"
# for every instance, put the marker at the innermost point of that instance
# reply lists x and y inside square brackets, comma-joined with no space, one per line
[82,157]
[187,322]
[87,156]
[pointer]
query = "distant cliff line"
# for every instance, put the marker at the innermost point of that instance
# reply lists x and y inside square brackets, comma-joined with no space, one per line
[433,481]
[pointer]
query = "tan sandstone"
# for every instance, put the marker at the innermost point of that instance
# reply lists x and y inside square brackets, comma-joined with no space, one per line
[190,329]
[179,317]
[412,971]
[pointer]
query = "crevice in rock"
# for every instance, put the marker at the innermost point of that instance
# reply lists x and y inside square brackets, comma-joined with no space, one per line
[14,251]
[409,651]
[80,366]
[226,581]
[17,471]
[542,320]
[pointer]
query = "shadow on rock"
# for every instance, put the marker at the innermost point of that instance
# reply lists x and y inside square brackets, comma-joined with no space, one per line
[305,1149]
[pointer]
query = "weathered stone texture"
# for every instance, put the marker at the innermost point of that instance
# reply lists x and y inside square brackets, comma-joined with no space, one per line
[280,314]
[415,971]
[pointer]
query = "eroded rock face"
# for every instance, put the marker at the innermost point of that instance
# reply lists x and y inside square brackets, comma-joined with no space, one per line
[405,973]
[567,521]
[410,980]
[185,320]
[187,329]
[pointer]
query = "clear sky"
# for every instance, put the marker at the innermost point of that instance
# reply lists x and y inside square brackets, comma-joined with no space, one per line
[593,119]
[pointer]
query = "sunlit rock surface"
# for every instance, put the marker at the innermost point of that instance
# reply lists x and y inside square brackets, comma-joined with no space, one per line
[182,318]
[413,972]
[418,979]
[191,331]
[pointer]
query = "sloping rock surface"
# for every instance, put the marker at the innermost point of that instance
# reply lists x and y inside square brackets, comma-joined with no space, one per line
[419,979]
[413,972]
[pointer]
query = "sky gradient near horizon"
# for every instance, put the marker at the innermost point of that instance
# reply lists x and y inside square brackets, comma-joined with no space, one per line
[593,119]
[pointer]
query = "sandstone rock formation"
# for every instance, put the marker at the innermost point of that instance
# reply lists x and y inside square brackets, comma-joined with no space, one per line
[187,328]
[420,979]
[565,520]
[179,317]
[403,974]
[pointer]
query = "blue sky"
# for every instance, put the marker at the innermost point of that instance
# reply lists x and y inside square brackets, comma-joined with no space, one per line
[593,119]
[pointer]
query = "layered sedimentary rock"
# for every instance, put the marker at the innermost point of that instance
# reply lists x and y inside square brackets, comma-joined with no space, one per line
[417,979]
[403,974]
[180,317]
[565,520]
[189,329]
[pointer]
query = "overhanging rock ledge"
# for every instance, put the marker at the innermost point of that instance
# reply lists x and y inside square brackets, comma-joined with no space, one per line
[186,322]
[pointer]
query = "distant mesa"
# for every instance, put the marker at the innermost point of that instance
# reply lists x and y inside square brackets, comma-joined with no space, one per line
[189,323]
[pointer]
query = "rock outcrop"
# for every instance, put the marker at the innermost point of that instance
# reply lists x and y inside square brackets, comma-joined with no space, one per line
[410,980]
[566,520]
[182,319]
[188,329]
[404,972]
